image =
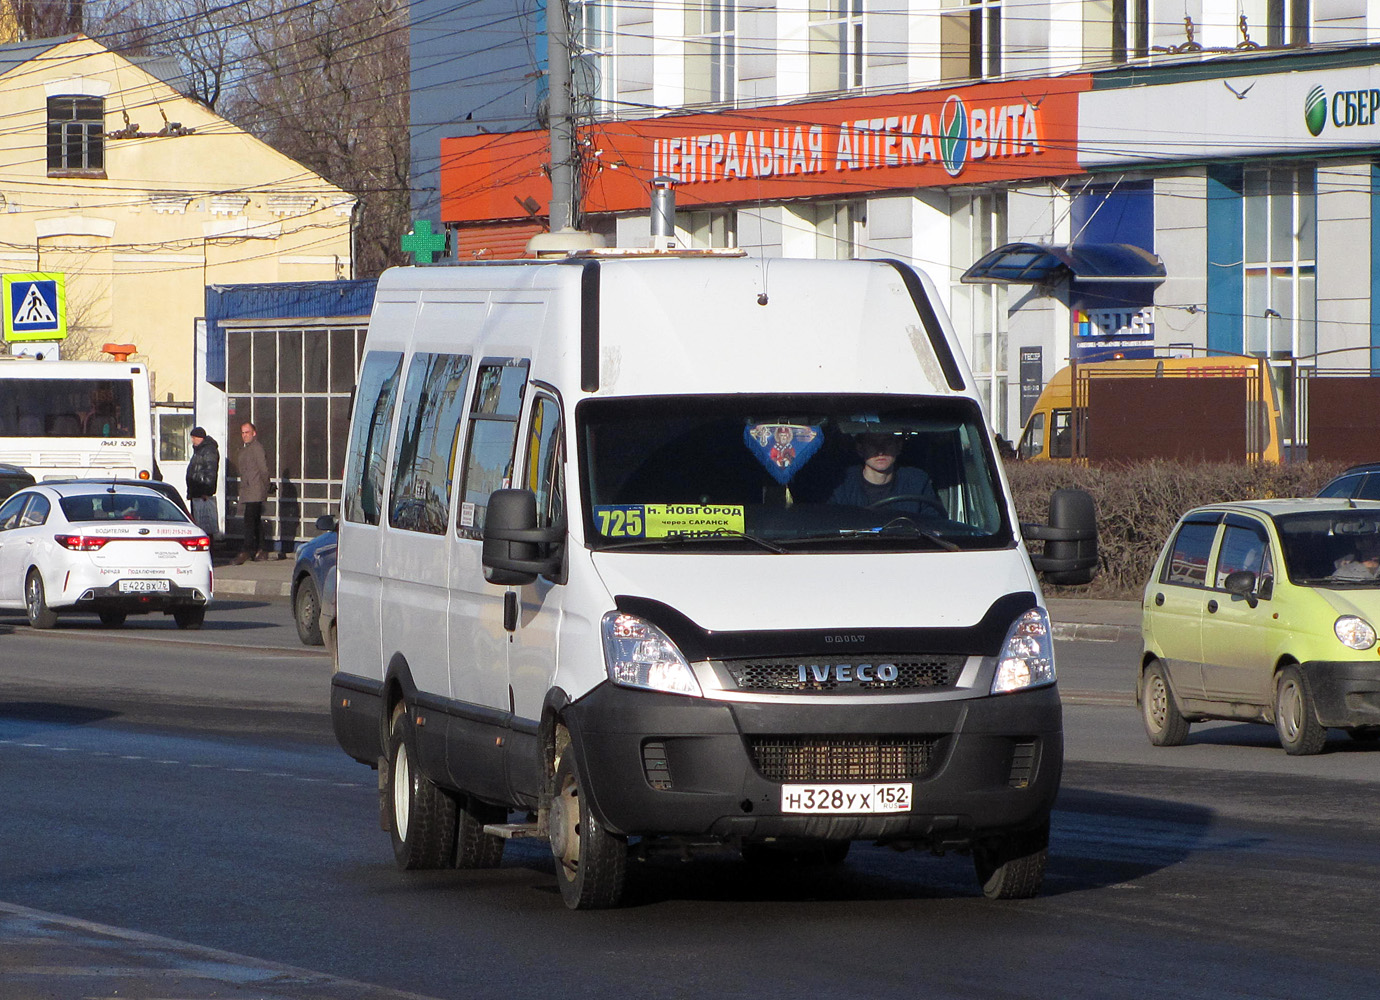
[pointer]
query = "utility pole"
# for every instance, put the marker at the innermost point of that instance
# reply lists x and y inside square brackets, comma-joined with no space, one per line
[564,236]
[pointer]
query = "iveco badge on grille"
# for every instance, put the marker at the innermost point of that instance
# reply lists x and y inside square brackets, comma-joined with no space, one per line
[847,673]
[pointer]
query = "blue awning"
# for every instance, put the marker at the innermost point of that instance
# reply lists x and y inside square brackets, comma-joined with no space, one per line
[1040,264]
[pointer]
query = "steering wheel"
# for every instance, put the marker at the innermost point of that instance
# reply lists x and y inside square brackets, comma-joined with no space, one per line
[919,498]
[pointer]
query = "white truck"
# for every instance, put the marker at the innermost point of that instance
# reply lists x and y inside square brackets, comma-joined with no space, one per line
[618,554]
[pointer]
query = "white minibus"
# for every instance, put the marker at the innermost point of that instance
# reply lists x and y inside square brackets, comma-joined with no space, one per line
[76,419]
[677,551]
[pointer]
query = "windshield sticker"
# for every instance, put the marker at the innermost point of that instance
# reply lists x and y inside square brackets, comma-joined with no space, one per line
[783,449]
[666,520]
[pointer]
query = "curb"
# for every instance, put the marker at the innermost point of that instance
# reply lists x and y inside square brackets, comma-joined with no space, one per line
[252,588]
[1093,632]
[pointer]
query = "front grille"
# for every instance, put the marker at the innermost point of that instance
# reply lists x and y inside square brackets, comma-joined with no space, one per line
[859,758]
[820,674]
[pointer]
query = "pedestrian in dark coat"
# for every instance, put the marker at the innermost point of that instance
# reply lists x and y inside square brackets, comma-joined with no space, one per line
[203,473]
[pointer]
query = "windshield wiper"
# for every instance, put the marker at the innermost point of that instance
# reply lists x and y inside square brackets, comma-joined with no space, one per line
[683,538]
[852,534]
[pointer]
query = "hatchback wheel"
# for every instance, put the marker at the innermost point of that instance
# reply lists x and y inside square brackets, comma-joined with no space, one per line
[1164,723]
[36,602]
[1296,720]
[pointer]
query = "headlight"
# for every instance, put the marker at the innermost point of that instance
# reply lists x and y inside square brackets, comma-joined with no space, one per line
[1027,657]
[1354,632]
[639,655]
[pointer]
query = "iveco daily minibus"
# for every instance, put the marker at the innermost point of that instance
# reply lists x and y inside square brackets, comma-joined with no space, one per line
[645,551]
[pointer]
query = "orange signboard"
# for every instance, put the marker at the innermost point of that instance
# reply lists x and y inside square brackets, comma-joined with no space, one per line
[973,135]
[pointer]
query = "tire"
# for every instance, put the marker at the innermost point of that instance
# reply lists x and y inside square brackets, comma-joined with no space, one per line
[189,618]
[36,602]
[1164,723]
[112,619]
[801,853]
[306,608]
[1013,867]
[591,863]
[473,847]
[421,817]
[1296,720]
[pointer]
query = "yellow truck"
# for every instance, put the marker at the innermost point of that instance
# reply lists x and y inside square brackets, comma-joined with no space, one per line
[1223,407]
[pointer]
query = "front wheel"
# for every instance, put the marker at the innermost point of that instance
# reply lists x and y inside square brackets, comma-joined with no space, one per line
[1296,720]
[1164,723]
[307,610]
[1014,866]
[421,816]
[591,863]
[36,602]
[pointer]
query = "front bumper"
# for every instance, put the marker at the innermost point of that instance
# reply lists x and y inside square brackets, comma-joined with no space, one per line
[657,764]
[1346,693]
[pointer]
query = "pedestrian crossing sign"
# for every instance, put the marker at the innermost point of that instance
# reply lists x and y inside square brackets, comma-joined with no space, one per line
[35,306]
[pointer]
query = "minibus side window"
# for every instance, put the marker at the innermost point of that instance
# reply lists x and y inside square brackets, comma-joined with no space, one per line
[545,453]
[493,435]
[369,433]
[428,423]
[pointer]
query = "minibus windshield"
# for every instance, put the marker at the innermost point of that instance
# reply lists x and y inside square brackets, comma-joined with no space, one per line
[778,474]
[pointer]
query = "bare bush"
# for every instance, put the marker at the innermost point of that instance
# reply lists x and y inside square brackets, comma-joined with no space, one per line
[1138,505]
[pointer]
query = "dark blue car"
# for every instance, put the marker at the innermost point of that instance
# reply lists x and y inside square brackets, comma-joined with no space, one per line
[313,586]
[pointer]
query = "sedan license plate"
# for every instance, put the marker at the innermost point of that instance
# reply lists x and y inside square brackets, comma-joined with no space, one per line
[892,797]
[144,586]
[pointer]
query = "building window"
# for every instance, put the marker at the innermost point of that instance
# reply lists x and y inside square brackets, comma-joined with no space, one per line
[1130,30]
[970,39]
[836,45]
[709,229]
[1280,263]
[711,71]
[837,225]
[76,134]
[591,64]
[1288,23]
[979,311]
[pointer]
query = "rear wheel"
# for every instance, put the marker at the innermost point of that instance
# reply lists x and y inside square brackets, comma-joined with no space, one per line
[1014,866]
[189,618]
[112,619]
[421,816]
[1164,723]
[36,602]
[1296,720]
[307,610]
[591,863]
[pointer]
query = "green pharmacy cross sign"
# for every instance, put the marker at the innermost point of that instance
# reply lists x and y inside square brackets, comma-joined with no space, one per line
[422,243]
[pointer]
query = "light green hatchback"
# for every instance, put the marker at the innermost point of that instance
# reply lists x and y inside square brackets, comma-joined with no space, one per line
[1265,611]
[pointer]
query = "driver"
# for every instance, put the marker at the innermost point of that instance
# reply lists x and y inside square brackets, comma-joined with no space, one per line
[881,477]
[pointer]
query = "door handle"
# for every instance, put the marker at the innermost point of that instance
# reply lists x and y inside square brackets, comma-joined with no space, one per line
[1212,607]
[1159,600]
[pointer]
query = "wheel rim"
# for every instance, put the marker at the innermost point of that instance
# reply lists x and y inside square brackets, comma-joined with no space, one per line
[34,593]
[402,789]
[1289,709]
[565,828]
[1156,702]
[306,607]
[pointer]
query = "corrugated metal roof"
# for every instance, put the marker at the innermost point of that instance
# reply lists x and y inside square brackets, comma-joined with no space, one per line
[15,54]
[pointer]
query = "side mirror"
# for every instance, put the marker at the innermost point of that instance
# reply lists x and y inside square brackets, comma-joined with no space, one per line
[1242,584]
[327,522]
[516,551]
[1070,550]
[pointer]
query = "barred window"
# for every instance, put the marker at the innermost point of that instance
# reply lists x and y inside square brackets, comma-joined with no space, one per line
[76,133]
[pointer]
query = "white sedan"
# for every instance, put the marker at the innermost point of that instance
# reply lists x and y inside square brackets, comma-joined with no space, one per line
[112,550]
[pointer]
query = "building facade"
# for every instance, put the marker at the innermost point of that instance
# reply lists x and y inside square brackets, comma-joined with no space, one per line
[143,197]
[1230,144]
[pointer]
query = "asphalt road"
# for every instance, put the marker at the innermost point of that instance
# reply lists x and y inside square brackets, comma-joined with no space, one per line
[187,786]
